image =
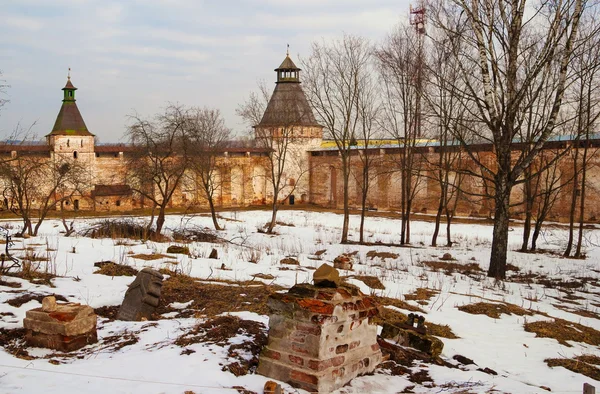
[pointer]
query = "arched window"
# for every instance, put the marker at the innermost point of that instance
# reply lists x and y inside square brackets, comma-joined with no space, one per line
[75,154]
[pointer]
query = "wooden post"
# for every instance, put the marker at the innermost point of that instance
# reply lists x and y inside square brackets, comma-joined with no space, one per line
[588,389]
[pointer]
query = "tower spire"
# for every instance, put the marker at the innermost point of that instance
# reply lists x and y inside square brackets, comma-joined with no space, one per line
[287,53]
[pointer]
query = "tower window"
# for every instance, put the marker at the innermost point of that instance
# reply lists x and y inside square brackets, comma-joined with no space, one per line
[74,154]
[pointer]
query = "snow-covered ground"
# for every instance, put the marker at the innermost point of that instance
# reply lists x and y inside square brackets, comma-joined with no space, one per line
[156,365]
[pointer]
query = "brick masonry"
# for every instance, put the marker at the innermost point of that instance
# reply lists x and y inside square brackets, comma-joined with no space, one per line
[320,338]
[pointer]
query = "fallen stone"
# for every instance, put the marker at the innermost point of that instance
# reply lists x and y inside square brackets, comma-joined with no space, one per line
[289,261]
[177,249]
[447,257]
[49,304]
[142,296]
[487,370]
[463,360]
[272,388]
[343,262]
[326,276]
[213,254]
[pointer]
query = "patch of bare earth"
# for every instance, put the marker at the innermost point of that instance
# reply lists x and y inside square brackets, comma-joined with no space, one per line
[151,256]
[450,268]
[25,298]
[392,315]
[584,364]
[382,255]
[494,310]
[211,299]
[563,331]
[109,268]
[220,330]
[421,295]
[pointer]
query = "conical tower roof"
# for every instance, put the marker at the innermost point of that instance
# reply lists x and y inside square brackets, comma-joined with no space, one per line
[288,105]
[69,120]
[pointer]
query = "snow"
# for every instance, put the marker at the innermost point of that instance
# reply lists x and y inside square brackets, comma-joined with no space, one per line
[155,364]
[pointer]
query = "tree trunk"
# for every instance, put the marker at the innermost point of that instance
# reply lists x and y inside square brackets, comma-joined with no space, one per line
[573,205]
[448,235]
[582,202]
[213,213]
[346,174]
[500,234]
[273,216]
[438,219]
[528,208]
[160,219]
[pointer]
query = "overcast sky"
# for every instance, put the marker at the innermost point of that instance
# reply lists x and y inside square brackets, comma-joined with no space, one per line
[137,55]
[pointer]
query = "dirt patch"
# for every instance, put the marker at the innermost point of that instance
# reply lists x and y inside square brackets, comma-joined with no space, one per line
[387,301]
[196,235]
[450,267]
[263,276]
[582,364]
[437,330]
[13,285]
[178,249]
[578,311]
[421,294]
[564,331]
[494,310]
[109,312]
[109,268]
[152,256]
[382,255]
[221,330]
[111,228]
[372,281]
[25,298]
[213,299]
[13,341]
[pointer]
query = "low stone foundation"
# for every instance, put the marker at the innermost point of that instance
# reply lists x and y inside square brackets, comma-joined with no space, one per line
[63,327]
[320,338]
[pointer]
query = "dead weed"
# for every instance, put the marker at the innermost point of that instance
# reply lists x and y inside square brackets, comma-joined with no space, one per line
[494,310]
[563,331]
[582,364]
[109,268]
[450,267]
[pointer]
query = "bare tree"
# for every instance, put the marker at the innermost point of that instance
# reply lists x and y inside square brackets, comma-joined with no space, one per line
[399,63]
[334,75]
[493,41]
[208,136]
[3,87]
[159,159]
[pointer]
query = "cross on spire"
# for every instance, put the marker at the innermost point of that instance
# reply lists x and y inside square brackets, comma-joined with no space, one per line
[69,74]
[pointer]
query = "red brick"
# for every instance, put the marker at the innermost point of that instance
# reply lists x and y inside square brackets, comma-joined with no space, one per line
[271,354]
[319,365]
[299,349]
[338,372]
[375,347]
[309,329]
[298,337]
[316,306]
[337,361]
[296,360]
[341,349]
[354,344]
[304,377]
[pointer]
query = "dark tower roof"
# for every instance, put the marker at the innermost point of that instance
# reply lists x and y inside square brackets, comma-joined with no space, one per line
[69,120]
[288,105]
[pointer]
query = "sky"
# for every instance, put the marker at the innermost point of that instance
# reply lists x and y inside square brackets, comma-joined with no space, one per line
[136,56]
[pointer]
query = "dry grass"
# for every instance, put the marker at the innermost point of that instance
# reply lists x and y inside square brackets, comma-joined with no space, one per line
[578,311]
[152,256]
[450,267]
[582,364]
[382,255]
[437,330]
[421,294]
[213,299]
[563,331]
[494,310]
[371,281]
[109,268]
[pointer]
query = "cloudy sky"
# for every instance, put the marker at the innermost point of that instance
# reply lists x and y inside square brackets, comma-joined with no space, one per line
[137,55]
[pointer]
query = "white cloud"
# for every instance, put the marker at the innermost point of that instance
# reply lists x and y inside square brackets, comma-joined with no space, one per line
[22,22]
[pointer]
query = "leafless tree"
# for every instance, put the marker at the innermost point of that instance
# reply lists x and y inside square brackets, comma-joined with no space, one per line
[3,87]
[398,60]
[208,137]
[159,159]
[334,75]
[493,42]
[586,69]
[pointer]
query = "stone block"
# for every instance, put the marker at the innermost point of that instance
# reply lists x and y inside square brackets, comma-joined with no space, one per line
[408,337]
[142,296]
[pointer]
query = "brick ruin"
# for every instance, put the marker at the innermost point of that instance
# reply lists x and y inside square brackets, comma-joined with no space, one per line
[320,338]
[64,327]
